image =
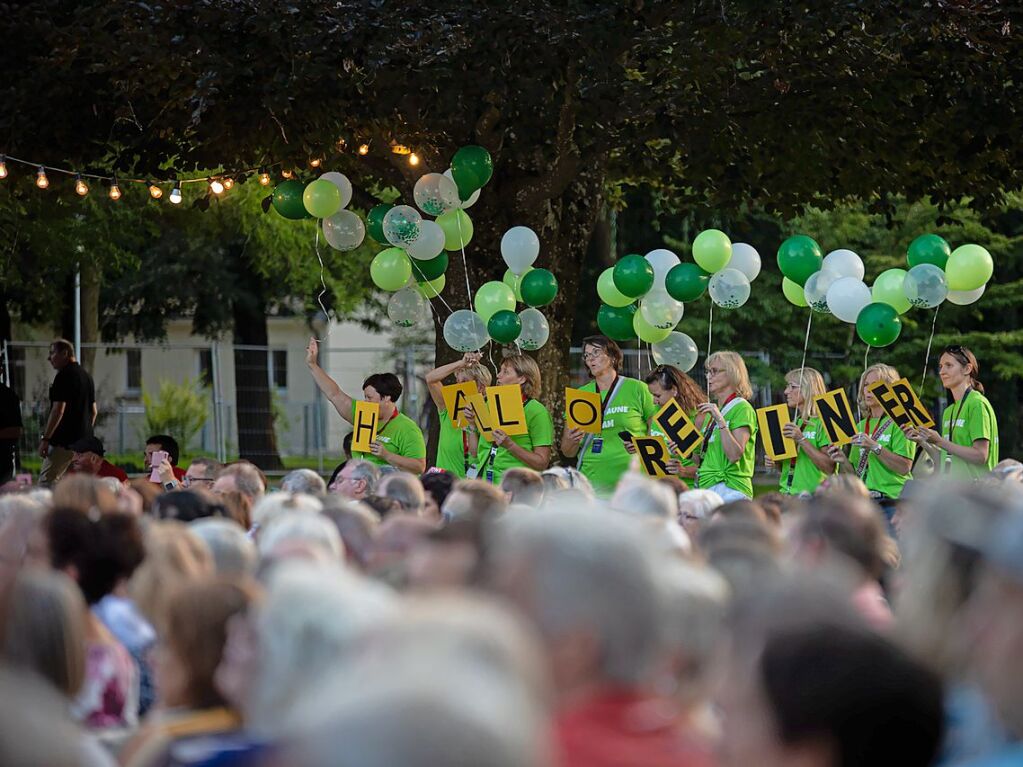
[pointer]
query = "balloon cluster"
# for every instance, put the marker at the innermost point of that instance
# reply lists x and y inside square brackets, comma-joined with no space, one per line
[833,284]
[325,198]
[644,296]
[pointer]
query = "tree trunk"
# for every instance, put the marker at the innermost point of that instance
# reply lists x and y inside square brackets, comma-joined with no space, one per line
[91,277]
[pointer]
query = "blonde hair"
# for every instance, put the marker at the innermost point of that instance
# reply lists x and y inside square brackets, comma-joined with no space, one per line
[886,373]
[173,554]
[528,369]
[476,372]
[735,368]
[811,385]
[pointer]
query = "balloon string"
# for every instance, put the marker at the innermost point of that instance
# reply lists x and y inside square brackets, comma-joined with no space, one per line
[806,345]
[323,285]
[927,357]
[427,281]
[465,265]
[710,336]
[865,358]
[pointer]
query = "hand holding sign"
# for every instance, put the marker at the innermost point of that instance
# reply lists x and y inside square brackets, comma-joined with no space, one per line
[364,428]
[507,413]
[653,455]
[455,401]
[837,416]
[679,427]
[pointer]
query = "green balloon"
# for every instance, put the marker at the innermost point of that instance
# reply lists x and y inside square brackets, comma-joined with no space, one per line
[799,257]
[878,324]
[607,291]
[287,200]
[712,250]
[969,267]
[928,249]
[793,292]
[457,228]
[633,276]
[390,269]
[492,297]
[375,222]
[505,326]
[321,198]
[686,282]
[888,289]
[539,287]
[615,322]
[433,288]
[514,281]
[471,167]
[648,332]
[430,270]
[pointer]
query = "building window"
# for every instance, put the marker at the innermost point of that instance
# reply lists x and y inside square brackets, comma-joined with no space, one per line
[279,368]
[206,367]
[133,379]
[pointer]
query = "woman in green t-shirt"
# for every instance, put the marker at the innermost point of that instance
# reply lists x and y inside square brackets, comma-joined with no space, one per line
[531,450]
[801,475]
[626,405]
[667,383]
[881,455]
[727,454]
[967,447]
[453,452]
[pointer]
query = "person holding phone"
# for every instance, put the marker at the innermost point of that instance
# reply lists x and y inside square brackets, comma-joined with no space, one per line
[626,406]
[967,447]
[801,475]
[729,445]
[667,383]
[881,455]
[453,452]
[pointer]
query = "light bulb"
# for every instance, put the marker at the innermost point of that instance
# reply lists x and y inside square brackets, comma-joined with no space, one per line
[175,195]
[216,187]
[154,191]
[264,177]
[3,166]
[41,181]
[228,182]
[315,163]
[80,186]
[115,190]
[364,149]
[287,174]
[413,159]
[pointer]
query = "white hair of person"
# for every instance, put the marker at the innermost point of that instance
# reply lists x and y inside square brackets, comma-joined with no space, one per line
[274,505]
[405,489]
[313,617]
[310,529]
[593,572]
[640,496]
[699,503]
[303,481]
[21,502]
[233,551]
[569,478]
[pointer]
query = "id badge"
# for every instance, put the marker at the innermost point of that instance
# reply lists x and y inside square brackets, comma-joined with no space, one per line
[597,446]
[490,475]
[472,472]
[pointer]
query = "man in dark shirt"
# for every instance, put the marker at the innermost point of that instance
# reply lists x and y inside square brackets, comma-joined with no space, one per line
[88,459]
[72,412]
[10,431]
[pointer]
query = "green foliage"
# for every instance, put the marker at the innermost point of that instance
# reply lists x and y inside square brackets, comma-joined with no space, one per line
[179,409]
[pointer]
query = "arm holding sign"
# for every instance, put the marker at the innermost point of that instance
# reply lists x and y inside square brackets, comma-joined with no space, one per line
[820,458]
[571,439]
[335,394]
[933,443]
[900,464]
[538,459]
[435,378]
[412,465]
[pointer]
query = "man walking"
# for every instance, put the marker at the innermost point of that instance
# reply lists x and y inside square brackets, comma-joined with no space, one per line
[72,412]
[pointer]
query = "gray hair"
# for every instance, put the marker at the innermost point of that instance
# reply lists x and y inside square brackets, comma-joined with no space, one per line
[405,489]
[23,502]
[640,496]
[357,523]
[280,504]
[566,478]
[233,551]
[303,481]
[247,479]
[312,529]
[364,470]
[699,503]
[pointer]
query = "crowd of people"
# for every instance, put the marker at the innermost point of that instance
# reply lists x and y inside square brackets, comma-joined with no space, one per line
[495,610]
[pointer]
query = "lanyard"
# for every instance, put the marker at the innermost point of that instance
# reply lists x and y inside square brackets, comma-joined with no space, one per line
[708,431]
[608,396]
[884,423]
[952,427]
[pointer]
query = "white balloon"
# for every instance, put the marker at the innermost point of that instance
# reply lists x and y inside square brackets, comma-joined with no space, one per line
[344,230]
[407,307]
[535,329]
[925,286]
[465,331]
[344,186]
[816,290]
[435,193]
[729,288]
[519,248]
[746,259]
[401,225]
[430,243]
[472,198]
[662,260]
[844,263]
[661,310]
[965,297]
[846,298]
[678,349]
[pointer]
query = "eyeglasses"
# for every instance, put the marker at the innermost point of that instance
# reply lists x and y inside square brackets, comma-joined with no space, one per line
[713,371]
[189,481]
[593,355]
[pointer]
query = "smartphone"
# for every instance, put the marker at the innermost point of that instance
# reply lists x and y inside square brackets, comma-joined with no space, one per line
[158,457]
[625,436]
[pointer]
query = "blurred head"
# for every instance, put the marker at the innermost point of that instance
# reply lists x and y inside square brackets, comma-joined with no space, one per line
[726,374]
[281,504]
[523,486]
[303,536]
[174,554]
[242,477]
[357,525]
[695,507]
[164,442]
[96,550]
[958,366]
[234,553]
[437,483]
[667,383]
[873,374]
[356,480]
[406,490]
[522,370]
[744,550]
[61,353]
[564,478]
[86,462]
[474,497]
[184,506]
[801,387]
[847,528]
[478,373]
[843,486]
[643,497]
[202,473]
[601,355]
[83,492]
[304,481]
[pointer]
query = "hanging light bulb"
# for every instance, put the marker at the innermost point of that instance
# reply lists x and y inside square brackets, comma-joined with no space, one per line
[228,182]
[315,162]
[264,177]
[175,195]
[115,190]
[216,186]
[3,166]
[81,188]
[413,159]
[287,174]
[364,149]
[41,181]
[154,191]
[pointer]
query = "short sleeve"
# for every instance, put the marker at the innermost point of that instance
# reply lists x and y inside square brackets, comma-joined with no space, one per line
[900,444]
[742,415]
[62,389]
[540,425]
[979,425]
[414,446]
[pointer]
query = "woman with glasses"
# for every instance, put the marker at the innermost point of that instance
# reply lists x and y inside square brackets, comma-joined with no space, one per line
[725,463]
[667,383]
[881,455]
[967,447]
[801,475]
[626,406]
[453,452]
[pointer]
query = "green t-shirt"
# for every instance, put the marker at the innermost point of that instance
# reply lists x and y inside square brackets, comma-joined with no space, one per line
[715,466]
[540,434]
[807,476]
[451,447]
[400,435]
[975,420]
[879,477]
[631,411]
